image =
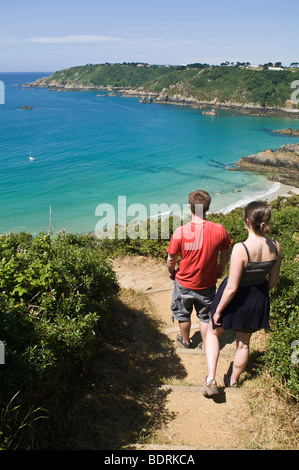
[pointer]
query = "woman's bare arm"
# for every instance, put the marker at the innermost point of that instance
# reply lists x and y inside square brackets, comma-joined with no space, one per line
[237,262]
[274,273]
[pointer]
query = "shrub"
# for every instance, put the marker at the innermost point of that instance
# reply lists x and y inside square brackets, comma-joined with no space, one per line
[54,296]
[279,357]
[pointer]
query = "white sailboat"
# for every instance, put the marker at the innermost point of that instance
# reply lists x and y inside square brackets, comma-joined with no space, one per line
[31,158]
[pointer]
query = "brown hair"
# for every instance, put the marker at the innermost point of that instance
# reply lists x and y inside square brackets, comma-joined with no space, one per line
[258,213]
[199,197]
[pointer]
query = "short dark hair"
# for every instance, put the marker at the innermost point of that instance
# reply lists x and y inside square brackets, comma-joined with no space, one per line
[199,197]
[258,213]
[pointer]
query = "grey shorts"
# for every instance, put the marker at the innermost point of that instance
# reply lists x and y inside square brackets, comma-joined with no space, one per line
[184,299]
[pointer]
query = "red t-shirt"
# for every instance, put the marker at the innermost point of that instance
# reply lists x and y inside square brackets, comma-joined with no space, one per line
[199,245]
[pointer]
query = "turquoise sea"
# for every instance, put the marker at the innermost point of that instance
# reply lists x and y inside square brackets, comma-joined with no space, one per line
[91,149]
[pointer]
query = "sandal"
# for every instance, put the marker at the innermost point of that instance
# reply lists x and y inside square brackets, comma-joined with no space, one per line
[181,343]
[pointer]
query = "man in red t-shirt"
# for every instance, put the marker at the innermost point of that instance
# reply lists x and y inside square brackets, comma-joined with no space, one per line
[199,243]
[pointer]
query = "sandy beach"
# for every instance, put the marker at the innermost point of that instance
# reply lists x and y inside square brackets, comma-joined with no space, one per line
[278,189]
[283,190]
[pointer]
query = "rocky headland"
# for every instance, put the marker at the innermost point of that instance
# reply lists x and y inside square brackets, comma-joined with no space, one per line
[281,165]
[173,94]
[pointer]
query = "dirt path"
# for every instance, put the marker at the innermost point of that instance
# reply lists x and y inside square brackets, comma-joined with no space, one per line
[222,422]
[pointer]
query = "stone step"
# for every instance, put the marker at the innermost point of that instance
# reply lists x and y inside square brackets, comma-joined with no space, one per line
[192,420]
[197,351]
[194,352]
[160,289]
[176,329]
[226,341]
[170,448]
[196,388]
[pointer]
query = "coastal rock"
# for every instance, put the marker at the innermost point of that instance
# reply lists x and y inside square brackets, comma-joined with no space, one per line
[281,165]
[288,131]
[212,112]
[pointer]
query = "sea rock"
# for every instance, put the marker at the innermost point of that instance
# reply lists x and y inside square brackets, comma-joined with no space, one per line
[281,165]
[288,131]
[212,112]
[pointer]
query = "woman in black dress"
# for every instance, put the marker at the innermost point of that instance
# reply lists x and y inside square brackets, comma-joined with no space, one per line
[242,300]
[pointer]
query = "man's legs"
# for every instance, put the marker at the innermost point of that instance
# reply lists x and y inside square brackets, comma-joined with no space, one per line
[185,327]
[182,306]
[203,300]
[183,301]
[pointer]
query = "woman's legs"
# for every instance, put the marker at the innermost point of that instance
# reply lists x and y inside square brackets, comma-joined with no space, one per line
[212,353]
[212,349]
[241,356]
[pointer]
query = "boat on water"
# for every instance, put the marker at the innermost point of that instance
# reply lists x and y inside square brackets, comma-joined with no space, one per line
[31,158]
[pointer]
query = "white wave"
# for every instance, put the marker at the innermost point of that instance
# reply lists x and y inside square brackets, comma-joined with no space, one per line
[160,214]
[252,196]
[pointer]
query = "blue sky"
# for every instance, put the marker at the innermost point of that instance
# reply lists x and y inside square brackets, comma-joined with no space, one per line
[38,35]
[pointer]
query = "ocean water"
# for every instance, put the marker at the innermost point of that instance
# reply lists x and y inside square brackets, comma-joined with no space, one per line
[90,150]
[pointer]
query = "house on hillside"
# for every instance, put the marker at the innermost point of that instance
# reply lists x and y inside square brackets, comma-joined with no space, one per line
[275,68]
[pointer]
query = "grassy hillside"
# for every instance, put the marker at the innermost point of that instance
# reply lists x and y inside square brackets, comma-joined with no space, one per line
[109,75]
[267,88]
[260,87]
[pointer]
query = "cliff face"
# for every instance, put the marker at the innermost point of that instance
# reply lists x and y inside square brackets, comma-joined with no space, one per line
[282,165]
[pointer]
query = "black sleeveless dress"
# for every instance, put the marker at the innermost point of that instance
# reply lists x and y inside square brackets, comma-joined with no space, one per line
[249,309]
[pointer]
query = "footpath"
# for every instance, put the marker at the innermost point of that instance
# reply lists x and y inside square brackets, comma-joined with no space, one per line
[221,422]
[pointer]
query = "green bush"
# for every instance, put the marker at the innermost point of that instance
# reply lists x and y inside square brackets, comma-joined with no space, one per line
[279,357]
[54,296]
[138,239]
